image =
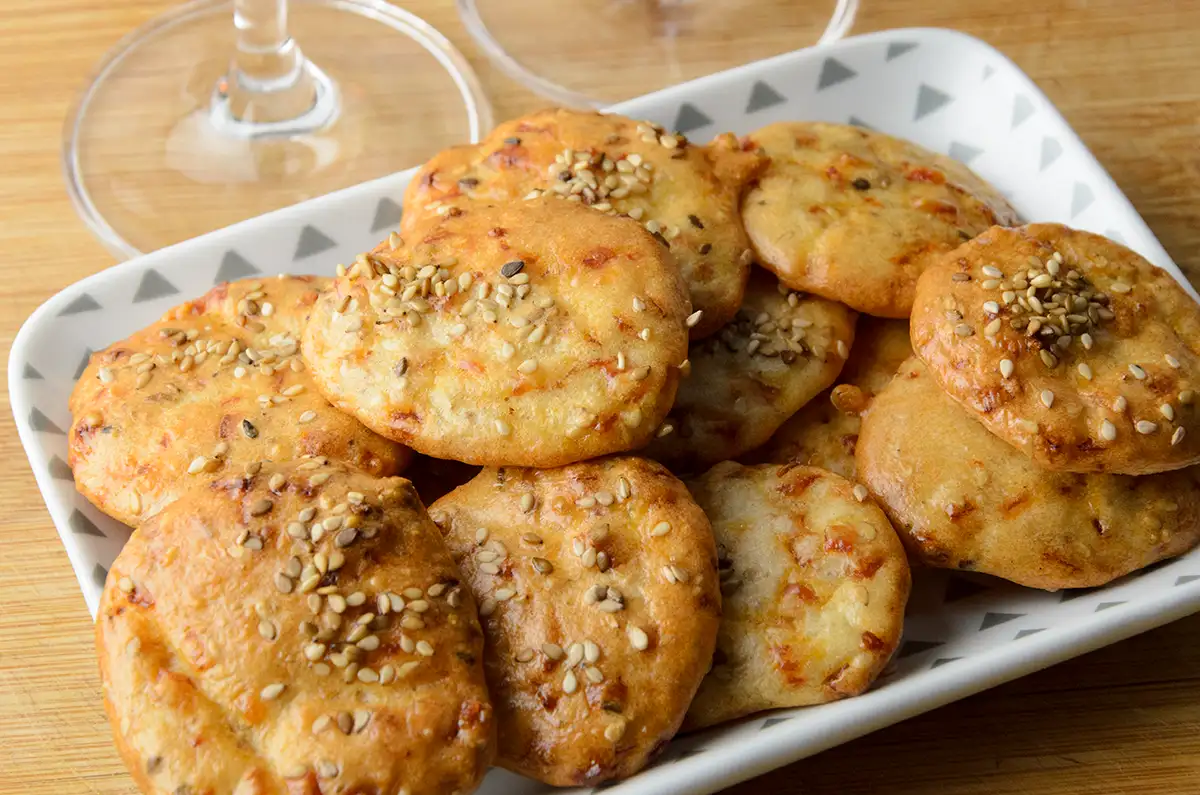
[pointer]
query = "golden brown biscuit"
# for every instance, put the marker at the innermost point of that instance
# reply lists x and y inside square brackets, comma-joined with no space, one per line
[780,352]
[686,194]
[1068,346]
[814,583]
[856,215]
[962,499]
[597,588]
[216,384]
[550,334]
[824,432]
[297,631]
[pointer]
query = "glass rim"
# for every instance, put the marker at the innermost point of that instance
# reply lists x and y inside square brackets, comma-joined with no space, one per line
[840,22]
[479,110]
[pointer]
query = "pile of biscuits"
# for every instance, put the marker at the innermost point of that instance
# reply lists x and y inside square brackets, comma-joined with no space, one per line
[663,474]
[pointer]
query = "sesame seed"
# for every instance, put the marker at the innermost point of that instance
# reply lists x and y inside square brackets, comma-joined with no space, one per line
[487,607]
[570,683]
[527,366]
[541,566]
[860,492]
[591,651]
[367,675]
[1120,404]
[1177,437]
[1119,287]
[283,583]
[993,272]
[992,328]
[1006,368]
[638,638]
[307,417]
[963,330]
[199,464]
[1167,410]
[1047,398]
[1137,372]
[1108,431]
[613,732]
[1086,340]
[991,307]
[694,318]
[346,537]
[661,529]
[842,350]
[553,651]
[314,651]
[1085,370]
[1146,427]
[640,373]
[424,648]
[320,478]
[125,584]
[260,507]
[527,502]
[271,691]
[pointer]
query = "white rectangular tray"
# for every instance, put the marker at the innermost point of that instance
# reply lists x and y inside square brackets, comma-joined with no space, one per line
[945,90]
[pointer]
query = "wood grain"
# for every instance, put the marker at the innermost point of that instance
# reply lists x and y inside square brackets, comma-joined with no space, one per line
[1127,718]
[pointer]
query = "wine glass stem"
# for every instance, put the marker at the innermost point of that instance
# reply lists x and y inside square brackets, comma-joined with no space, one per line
[271,89]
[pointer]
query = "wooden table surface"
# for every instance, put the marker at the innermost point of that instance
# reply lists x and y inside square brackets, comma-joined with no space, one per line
[1127,76]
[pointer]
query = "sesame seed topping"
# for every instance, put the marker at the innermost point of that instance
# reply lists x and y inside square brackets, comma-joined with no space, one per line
[860,492]
[1172,362]
[1047,398]
[963,330]
[1085,370]
[1167,410]
[1048,358]
[570,683]
[1177,437]
[661,529]
[260,507]
[613,732]
[1146,427]
[1120,404]
[553,651]
[993,272]
[1108,431]
[638,638]
[1006,368]
[694,318]
[1120,288]
[271,691]
[1137,372]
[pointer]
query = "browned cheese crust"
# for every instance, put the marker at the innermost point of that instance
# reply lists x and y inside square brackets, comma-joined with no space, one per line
[814,583]
[963,499]
[1068,346]
[297,631]
[597,587]
[856,215]
[547,334]
[780,352]
[216,384]
[824,432]
[686,195]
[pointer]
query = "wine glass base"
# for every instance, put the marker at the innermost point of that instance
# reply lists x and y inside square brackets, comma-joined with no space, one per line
[591,53]
[149,162]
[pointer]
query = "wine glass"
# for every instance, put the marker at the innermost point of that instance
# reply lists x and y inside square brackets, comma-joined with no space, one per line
[591,53]
[212,113]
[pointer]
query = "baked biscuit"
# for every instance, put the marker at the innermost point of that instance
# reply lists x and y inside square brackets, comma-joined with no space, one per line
[814,583]
[297,631]
[780,352]
[687,195]
[962,499]
[1068,346]
[597,589]
[824,432]
[215,384]
[856,215]
[548,334]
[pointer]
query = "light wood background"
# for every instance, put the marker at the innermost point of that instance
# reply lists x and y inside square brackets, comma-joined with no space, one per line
[1125,719]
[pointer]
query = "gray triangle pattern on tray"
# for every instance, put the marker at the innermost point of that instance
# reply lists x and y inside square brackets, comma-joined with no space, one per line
[40,422]
[1185,579]
[769,722]
[83,363]
[762,96]
[1027,632]
[1107,605]
[988,71]
[995,619]
[31,374]
[857,122]
[929,99]
[833,72]
[387,214]
[964,153]
[153,285]
[911,647]
[81,525]
[897,48]
[1051,150]
[1113,234]
[1074,593]
[59,469]
[1022,110]
[233,267]
[1081,198]
[690,118]
[940,661]
[312,241]
[99,575]
[84,303]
